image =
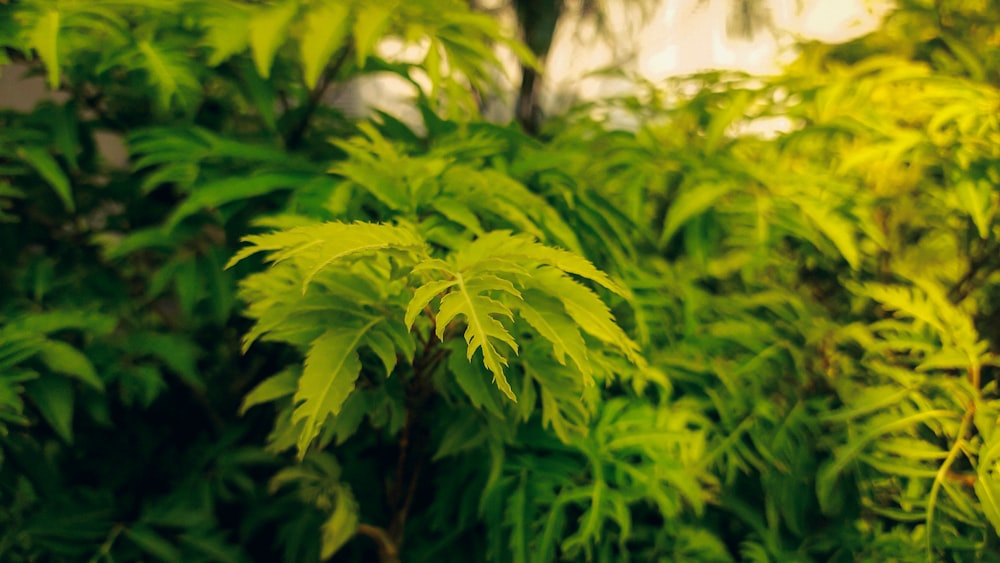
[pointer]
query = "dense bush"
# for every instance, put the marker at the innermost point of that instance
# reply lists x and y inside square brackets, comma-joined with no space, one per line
[285,334]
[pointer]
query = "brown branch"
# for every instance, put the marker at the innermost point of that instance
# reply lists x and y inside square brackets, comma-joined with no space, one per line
[985,262]
[401,490]
[298,132]
[388,551]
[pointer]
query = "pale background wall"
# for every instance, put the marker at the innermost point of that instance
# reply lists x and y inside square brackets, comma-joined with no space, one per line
[672,37]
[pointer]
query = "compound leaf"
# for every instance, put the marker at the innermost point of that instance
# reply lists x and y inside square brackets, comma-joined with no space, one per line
[331,368]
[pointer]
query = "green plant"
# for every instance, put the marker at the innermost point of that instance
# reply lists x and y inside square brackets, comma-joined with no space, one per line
[828,287]
[286,334]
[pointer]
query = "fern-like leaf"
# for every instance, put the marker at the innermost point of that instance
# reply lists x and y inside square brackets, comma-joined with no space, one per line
[586,309]
[268,28]
[325,30]
[524,248]
[483,327]
[332,366]
[542,313]
[321,245]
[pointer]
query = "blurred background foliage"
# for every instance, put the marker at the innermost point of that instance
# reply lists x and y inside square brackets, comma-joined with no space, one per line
[811,264]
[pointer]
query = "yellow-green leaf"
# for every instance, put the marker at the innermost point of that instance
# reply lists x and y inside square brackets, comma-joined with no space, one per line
[268,28]
[483,328]
[340,525]
[422,297]
[690,203]
[277,386]
[987,484]
[332,366]
[976,199]
[326,27]
[369,24]
[45,40]
[546,315]
[834,227]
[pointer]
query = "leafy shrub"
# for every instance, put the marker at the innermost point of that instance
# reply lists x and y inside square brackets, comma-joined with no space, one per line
[285,334]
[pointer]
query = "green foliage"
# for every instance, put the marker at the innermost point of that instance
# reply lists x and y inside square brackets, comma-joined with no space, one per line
[381,280]
[278,333]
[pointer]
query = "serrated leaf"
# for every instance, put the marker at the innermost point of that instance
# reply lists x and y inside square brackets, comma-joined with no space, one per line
[406,345]
[188,285]
[483,328]
[169,71]
[458,212]
[827,477]
[522,248]
[516,514]
[975,197]
[327,243]
[473,382]
[903,300]
[547,316]
[268,28]
[834,227]
[587,310]
[573,264]
[326,27]
[332,366]
[422,297]
[464,432]
[66,133]
[45,323]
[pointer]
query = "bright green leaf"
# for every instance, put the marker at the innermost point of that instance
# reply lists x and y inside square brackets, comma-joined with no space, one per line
[277,386]
[45,40]
[370,23]
[340,526]
[268,27]
[326,26]
[331,368]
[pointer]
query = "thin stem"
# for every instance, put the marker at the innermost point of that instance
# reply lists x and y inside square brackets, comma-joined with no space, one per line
[105,550]
[985,262]
[942,474]
[298,132]
[402,489]
[388,551]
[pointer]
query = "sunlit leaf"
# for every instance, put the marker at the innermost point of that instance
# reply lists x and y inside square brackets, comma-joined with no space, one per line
[268,28]
[326,26]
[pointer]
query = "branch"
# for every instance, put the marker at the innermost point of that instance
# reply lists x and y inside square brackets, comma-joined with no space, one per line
[298,132]
[401,490]
[388,552]
[985,262]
